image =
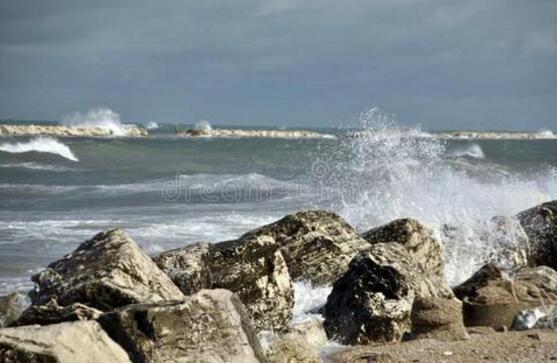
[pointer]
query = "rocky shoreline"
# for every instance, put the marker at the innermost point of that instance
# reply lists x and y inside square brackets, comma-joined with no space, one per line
[108,301]
[240,133]
[495,135]
[71,131]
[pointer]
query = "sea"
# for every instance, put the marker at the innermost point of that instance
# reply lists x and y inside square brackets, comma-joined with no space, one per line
[168,191]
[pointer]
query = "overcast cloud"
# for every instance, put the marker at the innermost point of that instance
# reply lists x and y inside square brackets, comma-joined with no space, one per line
[442,64]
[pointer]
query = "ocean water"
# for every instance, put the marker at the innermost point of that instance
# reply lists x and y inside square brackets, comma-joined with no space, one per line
[169,191]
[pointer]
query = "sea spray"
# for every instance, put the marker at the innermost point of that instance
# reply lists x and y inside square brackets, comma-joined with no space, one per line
[103,118]
[41,145]
[385,172]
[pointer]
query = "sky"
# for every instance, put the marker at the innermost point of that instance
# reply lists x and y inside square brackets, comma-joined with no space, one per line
[441,64]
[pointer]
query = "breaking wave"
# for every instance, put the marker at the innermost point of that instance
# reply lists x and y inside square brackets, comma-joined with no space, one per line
[388,173]
[41,145]
[102,117]
[152,125]
[473,151]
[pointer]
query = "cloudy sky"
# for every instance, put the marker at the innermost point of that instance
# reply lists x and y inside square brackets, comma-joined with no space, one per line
[442,64]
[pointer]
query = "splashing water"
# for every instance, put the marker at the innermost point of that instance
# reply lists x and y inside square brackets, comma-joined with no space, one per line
[383,172]
[472,151]
[203,125]
[152,125]
[103,118]
[41,145]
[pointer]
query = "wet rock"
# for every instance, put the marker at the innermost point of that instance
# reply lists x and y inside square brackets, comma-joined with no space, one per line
[317,245]
[372,301]
[83,342]
[70,131]
[255,269]
[187,267]
[540,225]
[437,318]
[11,307]
[210,326]
[52,313]
[105,272]
[301,344]
[417,238]
[493,298]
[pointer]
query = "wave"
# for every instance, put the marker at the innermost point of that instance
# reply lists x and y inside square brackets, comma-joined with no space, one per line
[37,166]
[473,151]
[103,118]
[41,145]
[387,173]
[203,125]
[152,125]
[546,134]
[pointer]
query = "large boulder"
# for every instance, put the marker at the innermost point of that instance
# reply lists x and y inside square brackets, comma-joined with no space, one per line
[106,272]
[52,313]
[417,238]
[491,297]
[301,344]
[254,268]
[372,301]
[11,307]
[83,342]
[540,225]
[317,245]
[188,267]
[210,326]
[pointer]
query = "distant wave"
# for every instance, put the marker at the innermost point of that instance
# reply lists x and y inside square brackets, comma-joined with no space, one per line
[102,117]
[152,125]
[36,166]
[41,145]
[546,134]
[472,151]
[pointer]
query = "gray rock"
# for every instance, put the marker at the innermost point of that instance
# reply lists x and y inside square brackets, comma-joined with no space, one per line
[11,307]
[417,238]
[527,319]
[52,313]
[302,343]
[105,272]
[210,326]
[317,245]
[372,301]
[83,342]
[255,269]
[438,318]
[188,267]
[493,298]
[540,225]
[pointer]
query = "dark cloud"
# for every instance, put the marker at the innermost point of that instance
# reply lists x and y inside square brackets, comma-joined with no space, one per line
[444,64]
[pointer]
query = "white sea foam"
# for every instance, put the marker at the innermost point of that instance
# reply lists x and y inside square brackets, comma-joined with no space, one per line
[102,117]
[152,125]
[546,134]
[473,151]
[307,300]
[387,173]
[203,125]
[41,145]
[36,166]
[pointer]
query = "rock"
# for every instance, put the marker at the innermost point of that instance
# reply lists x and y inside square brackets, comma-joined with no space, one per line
[527,319]
[11,307]
[105,272]
[188,267]
[372,301]
[492,298]
[438,318]
[252,267]
[301,344]
[52,313]
[540,225]
[317,245]
[70,131]
[417,238]
[282,134]
[83,342]
[255,269]
[210,326]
